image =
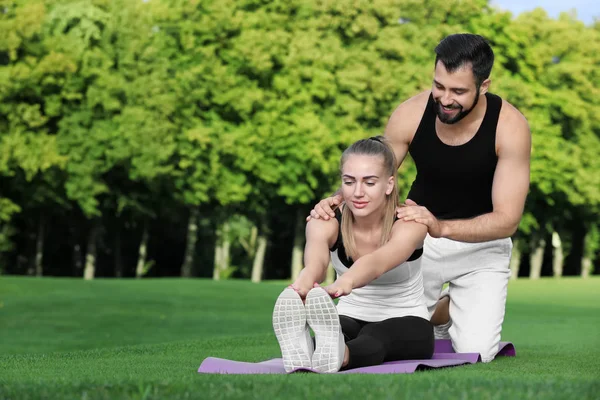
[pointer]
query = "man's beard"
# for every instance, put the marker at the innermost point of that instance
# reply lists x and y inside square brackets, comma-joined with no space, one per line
[446,119]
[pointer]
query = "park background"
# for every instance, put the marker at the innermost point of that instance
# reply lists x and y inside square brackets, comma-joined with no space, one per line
[192,138]
[171,139]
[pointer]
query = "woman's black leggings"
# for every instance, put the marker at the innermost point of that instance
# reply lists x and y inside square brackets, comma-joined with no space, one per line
[394,339]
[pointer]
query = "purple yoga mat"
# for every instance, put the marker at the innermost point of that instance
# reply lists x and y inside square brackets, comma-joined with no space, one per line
[444,356]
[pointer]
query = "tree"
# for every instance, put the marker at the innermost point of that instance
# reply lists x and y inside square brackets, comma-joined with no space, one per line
[29,161]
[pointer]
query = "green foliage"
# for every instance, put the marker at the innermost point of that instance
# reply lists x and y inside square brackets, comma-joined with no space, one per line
[7,209]
[592,242]
[133,108]
[147,267]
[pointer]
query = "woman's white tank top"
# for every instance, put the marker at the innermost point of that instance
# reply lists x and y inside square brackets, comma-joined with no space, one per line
[397,293]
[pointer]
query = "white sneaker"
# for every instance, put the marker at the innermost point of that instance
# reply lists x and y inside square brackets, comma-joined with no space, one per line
[323,318]
[441,331]
[291,330]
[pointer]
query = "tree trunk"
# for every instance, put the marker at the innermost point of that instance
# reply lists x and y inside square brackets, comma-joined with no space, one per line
[259,258]
[586,267]
[515,260]
[39,247]
[558,258]
[90,256]
[537,258]
[222,252]
[143,251]
[297,252]
[190,247]
[218,257]
[586,259]
[118,258]
[226,248]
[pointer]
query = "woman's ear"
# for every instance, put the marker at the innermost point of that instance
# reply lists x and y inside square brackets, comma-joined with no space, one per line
[390,186]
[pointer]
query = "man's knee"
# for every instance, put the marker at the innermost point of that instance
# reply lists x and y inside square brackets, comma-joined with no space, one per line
[486,347]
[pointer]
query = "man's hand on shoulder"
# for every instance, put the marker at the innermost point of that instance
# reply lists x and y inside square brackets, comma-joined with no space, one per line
[411,211]
[325,209]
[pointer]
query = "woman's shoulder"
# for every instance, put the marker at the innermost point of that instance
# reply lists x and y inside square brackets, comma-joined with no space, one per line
[323,229]
[402,229]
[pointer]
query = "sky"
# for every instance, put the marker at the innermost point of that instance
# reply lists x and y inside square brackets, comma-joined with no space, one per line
[586,9]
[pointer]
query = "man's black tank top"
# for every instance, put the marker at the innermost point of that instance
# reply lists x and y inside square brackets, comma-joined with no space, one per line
[455,182]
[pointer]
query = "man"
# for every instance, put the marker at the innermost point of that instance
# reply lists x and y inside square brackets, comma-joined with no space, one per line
[472,152]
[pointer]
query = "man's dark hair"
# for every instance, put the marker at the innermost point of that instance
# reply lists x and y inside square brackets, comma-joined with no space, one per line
[456,50]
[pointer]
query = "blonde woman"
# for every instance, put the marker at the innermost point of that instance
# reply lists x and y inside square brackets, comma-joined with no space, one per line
[381,314]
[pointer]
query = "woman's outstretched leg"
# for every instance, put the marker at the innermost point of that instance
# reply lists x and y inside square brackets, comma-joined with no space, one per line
[404,338]
[323,318]
[291,330]
[351,327]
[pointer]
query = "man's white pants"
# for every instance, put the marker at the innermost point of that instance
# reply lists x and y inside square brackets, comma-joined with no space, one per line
[478,275]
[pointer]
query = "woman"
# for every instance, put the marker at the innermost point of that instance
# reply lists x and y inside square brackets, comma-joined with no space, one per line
[381,314]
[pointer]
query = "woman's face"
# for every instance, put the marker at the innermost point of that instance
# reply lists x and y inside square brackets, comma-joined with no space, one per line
[365,184]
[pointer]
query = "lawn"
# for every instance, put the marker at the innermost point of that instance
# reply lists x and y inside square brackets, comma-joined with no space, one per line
[112,339]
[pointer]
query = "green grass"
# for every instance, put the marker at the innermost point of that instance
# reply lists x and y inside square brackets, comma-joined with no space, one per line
[112,339]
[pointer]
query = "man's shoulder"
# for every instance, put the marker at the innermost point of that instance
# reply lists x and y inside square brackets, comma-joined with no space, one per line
[511,117]
[405,119]
[415,105]
[513,129]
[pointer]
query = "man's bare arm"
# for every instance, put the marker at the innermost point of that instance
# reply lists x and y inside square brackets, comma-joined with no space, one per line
[403,124]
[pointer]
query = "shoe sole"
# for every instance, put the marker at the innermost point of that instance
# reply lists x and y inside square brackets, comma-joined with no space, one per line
[323,318]
[289,324]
